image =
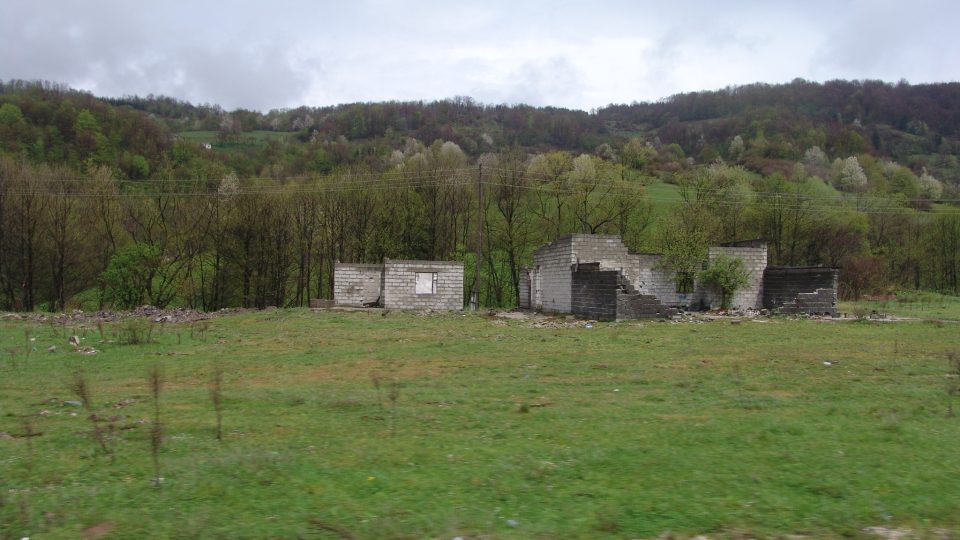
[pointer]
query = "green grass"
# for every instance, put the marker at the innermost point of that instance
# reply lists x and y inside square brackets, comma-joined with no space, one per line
[664,198]
[620,431]
[247,139]
[919,305]
[663,194]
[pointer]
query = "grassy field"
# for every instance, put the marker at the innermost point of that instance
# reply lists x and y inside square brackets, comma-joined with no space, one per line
[247,138]
[358,425]
[916,305]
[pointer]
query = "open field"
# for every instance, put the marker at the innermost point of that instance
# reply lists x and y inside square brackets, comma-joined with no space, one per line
[247,138]
[482,427]
[917,305]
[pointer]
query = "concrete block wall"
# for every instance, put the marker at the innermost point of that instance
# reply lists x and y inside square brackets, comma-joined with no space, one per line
[553,266]
[594,292]
[524,288]
[552,276]
[659,282]
[357,284]
[609,251]
[551,279]
[754,262]
[400,280]
[808,289]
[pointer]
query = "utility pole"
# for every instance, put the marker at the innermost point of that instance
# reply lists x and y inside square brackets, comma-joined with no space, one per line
[475,295]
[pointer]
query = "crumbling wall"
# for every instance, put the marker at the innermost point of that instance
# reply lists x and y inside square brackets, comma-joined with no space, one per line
[594,292]
[553,262]
[754,262]
[609,251]
[400,285]
[658,282]
[357,284]
[808,289]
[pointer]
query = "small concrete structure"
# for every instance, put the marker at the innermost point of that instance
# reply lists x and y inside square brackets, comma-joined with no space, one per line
[399,285]
[596,276]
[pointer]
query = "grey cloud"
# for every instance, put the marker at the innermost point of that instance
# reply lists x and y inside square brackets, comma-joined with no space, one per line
[265,55]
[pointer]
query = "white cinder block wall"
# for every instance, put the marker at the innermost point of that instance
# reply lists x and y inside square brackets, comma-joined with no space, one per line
[550,278]
[400,281]
[357,284]
[754,262]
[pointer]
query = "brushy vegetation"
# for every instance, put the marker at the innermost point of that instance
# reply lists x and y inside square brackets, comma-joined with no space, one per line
[119,203]
[357,425]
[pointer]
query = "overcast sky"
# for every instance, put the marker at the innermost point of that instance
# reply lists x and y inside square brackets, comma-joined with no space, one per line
[273,54]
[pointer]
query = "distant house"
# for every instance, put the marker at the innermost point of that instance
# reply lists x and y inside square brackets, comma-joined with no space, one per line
[399,285]
[596,276]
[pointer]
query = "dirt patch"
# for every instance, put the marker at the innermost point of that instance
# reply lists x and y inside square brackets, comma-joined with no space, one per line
[98,531]
[889,533]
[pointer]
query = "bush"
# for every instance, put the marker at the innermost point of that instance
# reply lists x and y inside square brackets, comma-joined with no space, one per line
[128,278]
[725,275]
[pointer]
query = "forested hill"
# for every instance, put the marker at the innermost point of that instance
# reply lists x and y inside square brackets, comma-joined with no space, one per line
[119,202]
[915,125]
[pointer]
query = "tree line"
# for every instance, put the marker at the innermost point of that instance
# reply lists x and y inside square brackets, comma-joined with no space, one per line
[94,241]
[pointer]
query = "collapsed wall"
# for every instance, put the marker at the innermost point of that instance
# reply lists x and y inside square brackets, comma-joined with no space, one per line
[607,295]
[807,289]
[553,284]
[551,280]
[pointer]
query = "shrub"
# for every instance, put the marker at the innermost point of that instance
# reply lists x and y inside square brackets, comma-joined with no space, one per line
[725,275]
[127,281]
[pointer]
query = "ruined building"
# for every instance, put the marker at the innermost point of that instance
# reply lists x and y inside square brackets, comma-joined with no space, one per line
[399,285]
[596,276]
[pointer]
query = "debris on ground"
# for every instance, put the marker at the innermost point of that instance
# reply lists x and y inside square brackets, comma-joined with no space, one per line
[154,314]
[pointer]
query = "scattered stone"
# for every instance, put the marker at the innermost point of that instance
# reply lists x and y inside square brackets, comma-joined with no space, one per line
[516,315]
[75,341]
[512,523]
[175,315]
[87,350]
[72,403]
[123,403]
[52,348]
[4,436]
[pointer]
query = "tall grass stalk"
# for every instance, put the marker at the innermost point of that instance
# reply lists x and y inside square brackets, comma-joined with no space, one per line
[155,381]
[216,396]
[80,386]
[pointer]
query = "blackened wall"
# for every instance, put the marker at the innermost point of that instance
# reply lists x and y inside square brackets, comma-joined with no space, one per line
[801,289]
[594,292]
